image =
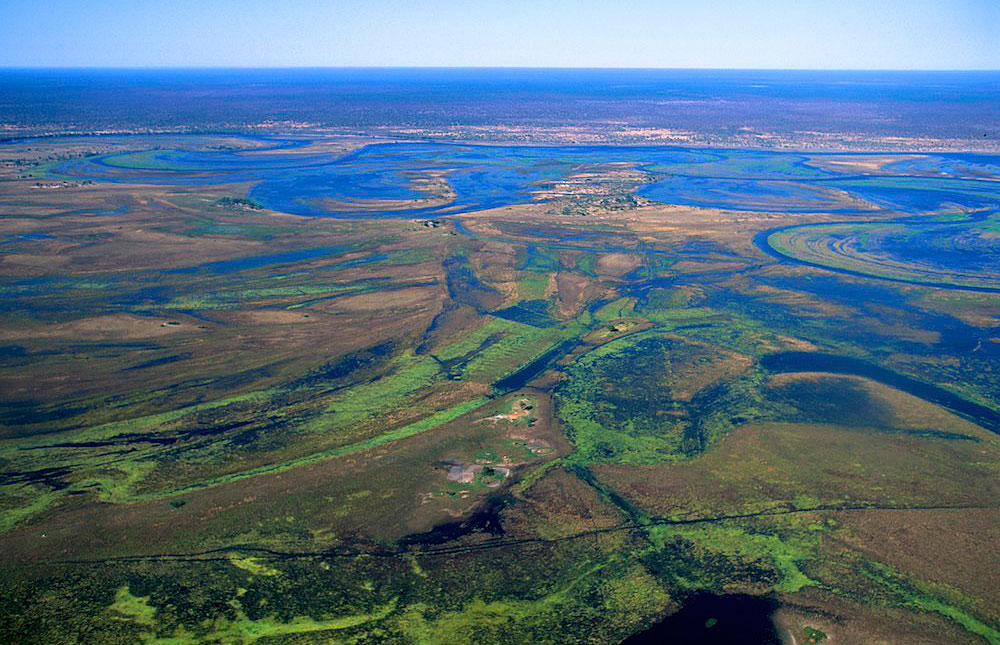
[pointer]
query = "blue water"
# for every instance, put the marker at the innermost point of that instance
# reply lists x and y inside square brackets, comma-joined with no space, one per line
[363,182]
[257,261]
[744,194]
[951,165]
[921,194]
[716,104]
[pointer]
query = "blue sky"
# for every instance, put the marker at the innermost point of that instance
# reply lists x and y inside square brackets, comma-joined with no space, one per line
[812,34]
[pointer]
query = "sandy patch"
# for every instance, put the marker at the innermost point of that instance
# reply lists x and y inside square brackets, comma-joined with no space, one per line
[867,163]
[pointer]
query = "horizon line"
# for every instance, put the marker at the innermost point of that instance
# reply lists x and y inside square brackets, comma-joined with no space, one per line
[480,67]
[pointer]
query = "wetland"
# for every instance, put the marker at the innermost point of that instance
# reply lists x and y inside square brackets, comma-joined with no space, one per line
[315,386]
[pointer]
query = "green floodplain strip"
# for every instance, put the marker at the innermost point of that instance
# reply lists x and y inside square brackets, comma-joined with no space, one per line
[967,622]
[233,299]
[519,345]
[912,596]
[427,423]
[786,552]
[11,517]
[353,405]
[730,539]
[242,629]
[109,430]
[410,374]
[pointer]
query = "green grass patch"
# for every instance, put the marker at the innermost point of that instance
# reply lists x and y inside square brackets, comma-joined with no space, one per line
[515,345]
[532,286]
[234,631]
[428,423]
[254,565]
[619,595]
[620,308]
[730,539]
[26,508]
[908,593]
[621,402]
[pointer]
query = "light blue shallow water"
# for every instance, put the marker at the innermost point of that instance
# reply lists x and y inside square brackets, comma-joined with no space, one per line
[492,176]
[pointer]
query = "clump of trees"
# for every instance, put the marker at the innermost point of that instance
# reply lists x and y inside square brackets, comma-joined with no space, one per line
[239,203]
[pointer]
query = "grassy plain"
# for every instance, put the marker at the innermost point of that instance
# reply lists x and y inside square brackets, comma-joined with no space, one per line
[549,422]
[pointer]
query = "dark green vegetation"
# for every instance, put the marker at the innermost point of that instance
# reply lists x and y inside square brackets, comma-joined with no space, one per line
[559,422]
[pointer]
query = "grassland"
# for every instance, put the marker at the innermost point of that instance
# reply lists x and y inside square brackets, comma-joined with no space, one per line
[550,422]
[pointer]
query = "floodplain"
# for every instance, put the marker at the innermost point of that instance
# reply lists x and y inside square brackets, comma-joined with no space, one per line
[318,388]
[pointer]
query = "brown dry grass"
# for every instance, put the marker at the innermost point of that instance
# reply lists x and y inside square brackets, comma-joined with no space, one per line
[948,547]
[764,464]
[381,494]
[558,504]
[909,412]
[112,327]
[853,623]
[573,290]
[617,264]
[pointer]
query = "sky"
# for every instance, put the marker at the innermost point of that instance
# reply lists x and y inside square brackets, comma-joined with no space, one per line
[764,34]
